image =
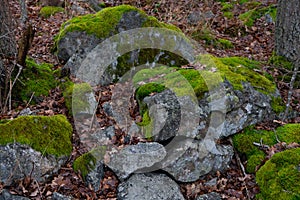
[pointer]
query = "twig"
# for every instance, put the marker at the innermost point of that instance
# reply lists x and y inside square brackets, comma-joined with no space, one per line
[242,168]
[30,100]
[296,69]
[12,85]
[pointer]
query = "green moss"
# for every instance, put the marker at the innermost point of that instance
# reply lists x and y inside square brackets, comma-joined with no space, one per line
[279,177]
[86,162]
[146,125]
[280,62]
[226,6]
[36,78]
[224,44]
[49,135]
[250,16]
[144,91]
[284,69]
[228,14]
[243,142]
[48,11]
[77,94]
[277,105]
[235,69]
[101,24]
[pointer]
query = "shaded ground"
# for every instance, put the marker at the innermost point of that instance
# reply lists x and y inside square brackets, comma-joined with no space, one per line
[255,42]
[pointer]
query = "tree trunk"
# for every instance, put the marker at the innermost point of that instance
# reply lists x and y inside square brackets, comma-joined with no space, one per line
[7,37]
[287,31]
[287,40]
[8,50]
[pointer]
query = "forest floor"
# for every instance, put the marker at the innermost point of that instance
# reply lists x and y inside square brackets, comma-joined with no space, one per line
[254,42]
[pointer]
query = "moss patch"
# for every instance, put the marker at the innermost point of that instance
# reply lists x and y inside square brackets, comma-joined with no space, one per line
[49,135]
[235,69]
[86,162]
[36,78]
[48,11]
[243,142]
[279,177]
[250,16]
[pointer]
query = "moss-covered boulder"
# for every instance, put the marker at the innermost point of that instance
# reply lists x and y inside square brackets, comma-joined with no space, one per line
[243,142]
[34,143]
[279,178]
[249,97]
[48,11]
[78,36]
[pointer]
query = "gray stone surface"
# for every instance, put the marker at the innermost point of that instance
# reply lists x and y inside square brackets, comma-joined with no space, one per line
[199,158]
[173,115]
[135,158]
[5,195]
[17,161]
[58,196]
[149,187]
[95,175]
[210,196]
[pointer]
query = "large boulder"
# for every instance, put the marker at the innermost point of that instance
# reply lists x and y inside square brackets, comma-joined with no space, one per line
[80,35]
[149,186]
[34,145]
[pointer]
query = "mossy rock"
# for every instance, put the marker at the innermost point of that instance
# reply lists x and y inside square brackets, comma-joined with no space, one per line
[279,177]
[258,11]
[87,162]
[243,142]
[35,78]
[234,69]
[107,22]
[48,11]
[104,23]
[48,135]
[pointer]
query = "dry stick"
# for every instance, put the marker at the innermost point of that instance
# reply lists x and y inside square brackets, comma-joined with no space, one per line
[12,85]
[242,168]
[296,70]
[30,100]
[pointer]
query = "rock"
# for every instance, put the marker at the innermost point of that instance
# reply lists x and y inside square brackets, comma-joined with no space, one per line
[58,196]
[149,186]
[75,41]
[74,47]
[25,111]
[5,195]
[95,175]
[210,196]
[135,158]
[211,182]
[172,116]
[199,158]
[18,161]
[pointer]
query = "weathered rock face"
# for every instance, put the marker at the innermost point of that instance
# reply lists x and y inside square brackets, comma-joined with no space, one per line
[149,186]
[18,161]
[199,158]
[226,115]
[136,158]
